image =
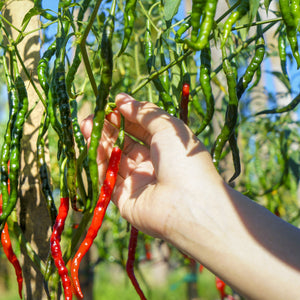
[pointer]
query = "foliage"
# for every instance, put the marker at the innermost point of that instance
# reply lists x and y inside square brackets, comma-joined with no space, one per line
[163,51]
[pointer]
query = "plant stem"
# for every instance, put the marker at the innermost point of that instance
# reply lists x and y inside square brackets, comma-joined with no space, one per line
[43,26]
[256,23]
[148,15]
[160,71]
[82,42]
[88,68]
[29,77]
[10,24]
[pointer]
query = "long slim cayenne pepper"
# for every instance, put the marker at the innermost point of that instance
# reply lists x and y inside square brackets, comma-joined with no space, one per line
[106,55]
[231,111]
[56,236]
[205,79]
[8,250]
[100,209]
[17,132]
[130,261]
[65,115]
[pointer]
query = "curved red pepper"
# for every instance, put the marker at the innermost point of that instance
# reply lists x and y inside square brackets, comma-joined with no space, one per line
[99,212]
[148,251]
[130,261]
[56,253]
[8,250]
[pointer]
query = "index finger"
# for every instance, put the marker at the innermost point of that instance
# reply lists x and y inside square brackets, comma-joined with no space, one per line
[144,119]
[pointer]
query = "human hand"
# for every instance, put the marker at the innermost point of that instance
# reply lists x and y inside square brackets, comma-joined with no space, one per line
[158,179]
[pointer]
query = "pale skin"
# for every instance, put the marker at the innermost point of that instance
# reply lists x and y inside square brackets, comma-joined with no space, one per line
[170,189]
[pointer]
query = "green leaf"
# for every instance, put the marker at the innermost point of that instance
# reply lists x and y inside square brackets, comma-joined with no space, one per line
[31,13]
[267,5]
[254,5]
[171,8]
[283,79]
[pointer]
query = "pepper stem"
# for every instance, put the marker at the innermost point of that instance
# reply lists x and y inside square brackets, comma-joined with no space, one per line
[62,179]
[120,140]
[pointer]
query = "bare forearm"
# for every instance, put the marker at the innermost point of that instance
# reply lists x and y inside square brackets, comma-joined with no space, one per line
[253,250]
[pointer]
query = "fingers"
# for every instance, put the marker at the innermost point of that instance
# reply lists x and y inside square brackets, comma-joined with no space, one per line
[144,119]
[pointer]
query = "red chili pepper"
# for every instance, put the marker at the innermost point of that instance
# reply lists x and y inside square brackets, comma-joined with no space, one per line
[99,212]
[221,285]
[7,248]
[56,253]
[201,268]
[130,262]
[11,256]
[148,251]
[184,102]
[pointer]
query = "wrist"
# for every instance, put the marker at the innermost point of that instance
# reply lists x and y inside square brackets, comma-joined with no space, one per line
[195,220]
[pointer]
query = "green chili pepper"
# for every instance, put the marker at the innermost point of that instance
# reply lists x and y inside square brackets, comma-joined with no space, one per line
[282,52]
[233,18]
[127,78]
[43,67]
[65,115]
[129,14]
[43,170]
[164,86]
[295,9]
[231,112]
[162,83]
[148,46]
[279,110]
[233,61]
[82,148]
[197,11]
[235,156]
[5,150]
[257,79]
[17,133]
[164,77]
[51,109]
[72,71]
[291,28]
[182,29]
[106,55]
[206,25]
[253,66]
[205,78]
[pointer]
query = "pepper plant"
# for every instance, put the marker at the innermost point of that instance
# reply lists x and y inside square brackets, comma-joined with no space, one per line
[207,64]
